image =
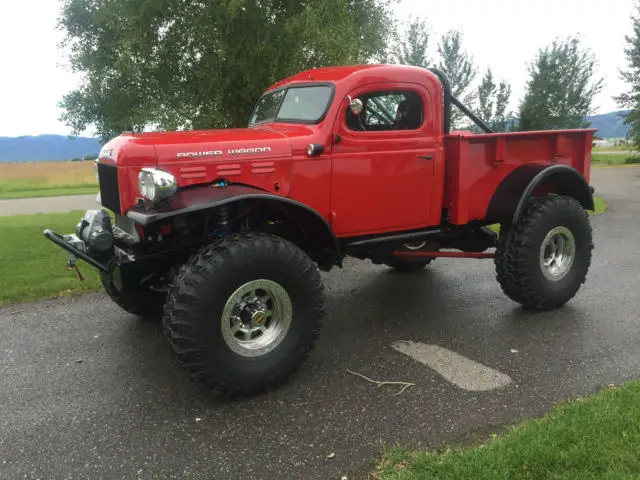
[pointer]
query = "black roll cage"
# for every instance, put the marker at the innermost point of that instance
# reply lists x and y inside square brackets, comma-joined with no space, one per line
[450,99]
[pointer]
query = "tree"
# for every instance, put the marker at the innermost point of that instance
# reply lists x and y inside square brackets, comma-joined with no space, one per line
[631,99]
[493,102]
[459,67]
[413,47]
[183,64]
[561,87]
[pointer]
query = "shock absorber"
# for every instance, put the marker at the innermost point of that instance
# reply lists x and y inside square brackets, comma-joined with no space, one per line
[223,221]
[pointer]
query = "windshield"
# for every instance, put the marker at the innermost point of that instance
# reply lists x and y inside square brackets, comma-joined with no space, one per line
[293,104]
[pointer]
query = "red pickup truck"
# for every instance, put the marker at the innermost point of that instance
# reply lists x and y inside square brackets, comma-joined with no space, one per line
[223,233]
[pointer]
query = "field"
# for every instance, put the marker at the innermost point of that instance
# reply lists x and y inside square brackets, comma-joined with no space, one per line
[45,179]
[596,437]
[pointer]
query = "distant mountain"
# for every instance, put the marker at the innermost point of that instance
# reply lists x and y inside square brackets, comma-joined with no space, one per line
[610,125]
[43,148]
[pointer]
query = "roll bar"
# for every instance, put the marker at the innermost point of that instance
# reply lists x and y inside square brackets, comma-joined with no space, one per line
[450,99]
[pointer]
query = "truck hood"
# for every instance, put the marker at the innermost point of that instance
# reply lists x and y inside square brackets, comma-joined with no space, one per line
[217,145]
[222,145]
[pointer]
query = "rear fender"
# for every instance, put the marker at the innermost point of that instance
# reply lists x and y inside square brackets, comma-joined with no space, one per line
[509,200]
[317,233]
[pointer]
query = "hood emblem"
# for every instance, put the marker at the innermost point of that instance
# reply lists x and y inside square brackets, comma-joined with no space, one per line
[217,153]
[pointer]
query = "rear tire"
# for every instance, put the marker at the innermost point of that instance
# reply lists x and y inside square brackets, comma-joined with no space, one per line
[542,261]
[244,313]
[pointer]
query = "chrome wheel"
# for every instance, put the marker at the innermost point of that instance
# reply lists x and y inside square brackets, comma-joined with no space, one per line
[256,318]
[557,253]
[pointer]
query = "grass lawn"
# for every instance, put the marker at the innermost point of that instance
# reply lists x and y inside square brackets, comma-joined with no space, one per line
[614,159]
[7,191]
[614,148]
[597,437]
[32,266]
[46,179]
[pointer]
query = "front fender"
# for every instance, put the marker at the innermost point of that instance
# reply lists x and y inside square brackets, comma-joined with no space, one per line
[202,198]
[509,199]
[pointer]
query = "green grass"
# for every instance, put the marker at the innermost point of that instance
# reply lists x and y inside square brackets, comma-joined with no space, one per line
[597,437]
[614,159]
[32,266]
[23,189]
[50,192]
[614,148]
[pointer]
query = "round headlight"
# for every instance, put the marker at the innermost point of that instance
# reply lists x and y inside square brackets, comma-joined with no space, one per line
[156,184]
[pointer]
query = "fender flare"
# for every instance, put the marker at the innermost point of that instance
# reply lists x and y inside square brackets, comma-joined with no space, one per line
[202,198]
[509,199]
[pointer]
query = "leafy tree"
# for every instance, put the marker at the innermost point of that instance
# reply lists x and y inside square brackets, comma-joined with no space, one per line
[459,66]
[173,64]
[493,102]
[561,87]
[631,99]
[413,47]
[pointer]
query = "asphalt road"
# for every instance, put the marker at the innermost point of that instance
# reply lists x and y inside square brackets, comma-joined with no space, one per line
[28,206]
[89,392]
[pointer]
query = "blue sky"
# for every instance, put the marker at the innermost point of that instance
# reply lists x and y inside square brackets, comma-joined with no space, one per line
[504,34]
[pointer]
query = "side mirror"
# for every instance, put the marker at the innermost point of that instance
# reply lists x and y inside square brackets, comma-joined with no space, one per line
[355,105]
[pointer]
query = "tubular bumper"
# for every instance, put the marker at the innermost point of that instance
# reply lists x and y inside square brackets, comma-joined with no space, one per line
[63,243]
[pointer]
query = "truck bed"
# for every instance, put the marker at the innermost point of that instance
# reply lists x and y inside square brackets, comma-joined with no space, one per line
[475,164]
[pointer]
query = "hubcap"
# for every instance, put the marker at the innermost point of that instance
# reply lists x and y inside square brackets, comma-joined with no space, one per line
[256,318]
[557,253]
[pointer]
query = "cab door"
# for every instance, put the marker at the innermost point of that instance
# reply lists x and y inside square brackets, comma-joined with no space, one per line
[383,161]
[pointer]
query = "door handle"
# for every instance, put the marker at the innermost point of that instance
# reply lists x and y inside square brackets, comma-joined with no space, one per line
[426,157]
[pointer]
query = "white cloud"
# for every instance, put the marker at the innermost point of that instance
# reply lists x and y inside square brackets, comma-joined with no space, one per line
[506,34]
[502,33]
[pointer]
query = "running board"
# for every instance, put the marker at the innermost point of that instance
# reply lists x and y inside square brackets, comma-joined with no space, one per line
[424,253]
[400,237]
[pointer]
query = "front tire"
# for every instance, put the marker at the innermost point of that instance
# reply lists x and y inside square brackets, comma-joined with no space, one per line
[542,261]
[244,313]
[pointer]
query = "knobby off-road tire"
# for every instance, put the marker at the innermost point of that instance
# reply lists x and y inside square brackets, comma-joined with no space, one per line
[543,260]
[201,321]
[142,302]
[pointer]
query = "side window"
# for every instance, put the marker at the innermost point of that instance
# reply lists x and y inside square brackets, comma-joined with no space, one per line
[382,111]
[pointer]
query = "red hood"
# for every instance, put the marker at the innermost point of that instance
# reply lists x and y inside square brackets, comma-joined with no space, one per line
[223,145]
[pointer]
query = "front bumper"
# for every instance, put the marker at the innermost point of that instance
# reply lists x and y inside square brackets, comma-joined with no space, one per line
[76,248]
[93,240]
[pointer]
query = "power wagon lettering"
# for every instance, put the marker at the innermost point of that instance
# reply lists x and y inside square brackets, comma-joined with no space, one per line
[217,153]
